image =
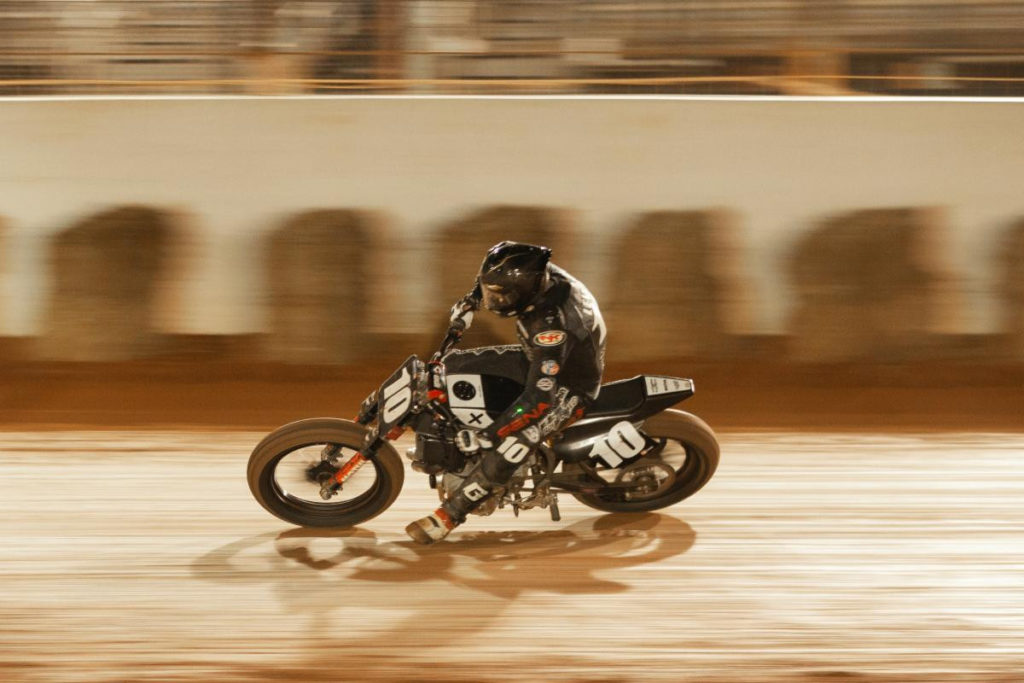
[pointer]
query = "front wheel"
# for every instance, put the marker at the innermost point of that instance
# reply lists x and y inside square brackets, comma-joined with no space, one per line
[287,468]
[682,457]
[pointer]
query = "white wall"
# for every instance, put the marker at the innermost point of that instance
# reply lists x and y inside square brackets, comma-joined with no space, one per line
[236,164]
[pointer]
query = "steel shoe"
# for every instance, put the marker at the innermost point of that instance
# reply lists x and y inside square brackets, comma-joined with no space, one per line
[432,528]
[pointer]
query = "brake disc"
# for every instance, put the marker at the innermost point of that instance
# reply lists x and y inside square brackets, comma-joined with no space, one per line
[646,480]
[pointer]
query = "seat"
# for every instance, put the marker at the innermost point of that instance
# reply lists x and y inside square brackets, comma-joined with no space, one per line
[618,397]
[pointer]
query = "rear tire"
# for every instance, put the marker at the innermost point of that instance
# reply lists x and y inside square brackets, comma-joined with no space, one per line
[702,453]
[265,458]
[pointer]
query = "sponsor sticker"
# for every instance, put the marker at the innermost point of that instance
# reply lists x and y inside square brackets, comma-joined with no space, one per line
[550,367]
[549,338]
[532,434]
[656,386]
[545,384]
[557,417]
[524,419]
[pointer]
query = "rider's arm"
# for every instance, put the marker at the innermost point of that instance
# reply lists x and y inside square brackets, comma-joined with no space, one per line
[462,312]
[543,405]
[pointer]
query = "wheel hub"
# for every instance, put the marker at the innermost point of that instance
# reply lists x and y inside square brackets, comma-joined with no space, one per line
[646,480]
[321,472]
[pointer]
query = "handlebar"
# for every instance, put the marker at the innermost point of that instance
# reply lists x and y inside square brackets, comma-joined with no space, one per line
[457,328]
[451,338]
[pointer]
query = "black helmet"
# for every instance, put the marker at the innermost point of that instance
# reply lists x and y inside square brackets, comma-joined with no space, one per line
[512,275]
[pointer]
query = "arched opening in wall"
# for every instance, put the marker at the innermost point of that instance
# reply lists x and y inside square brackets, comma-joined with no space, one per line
[322,269]
[106,272]
[870,285]
[676,288]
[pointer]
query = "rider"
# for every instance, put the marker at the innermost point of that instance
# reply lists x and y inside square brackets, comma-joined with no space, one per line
[562,335]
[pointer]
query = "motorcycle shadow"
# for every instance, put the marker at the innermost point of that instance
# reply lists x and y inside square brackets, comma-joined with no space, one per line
[459,587]
[501,563]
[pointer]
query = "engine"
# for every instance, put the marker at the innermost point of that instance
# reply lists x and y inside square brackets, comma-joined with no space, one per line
[434,454]
[437,455]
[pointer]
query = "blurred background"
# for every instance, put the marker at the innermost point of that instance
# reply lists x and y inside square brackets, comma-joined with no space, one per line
[792,47]
[174,250]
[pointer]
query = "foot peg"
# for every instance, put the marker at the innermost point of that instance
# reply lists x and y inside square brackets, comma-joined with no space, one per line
[556,516]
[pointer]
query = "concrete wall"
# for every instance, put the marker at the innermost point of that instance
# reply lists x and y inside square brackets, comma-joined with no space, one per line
[236,167]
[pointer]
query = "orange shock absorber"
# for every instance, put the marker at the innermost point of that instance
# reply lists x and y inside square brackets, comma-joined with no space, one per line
[349,468]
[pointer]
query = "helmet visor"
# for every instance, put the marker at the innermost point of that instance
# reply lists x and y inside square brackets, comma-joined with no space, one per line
[498,299]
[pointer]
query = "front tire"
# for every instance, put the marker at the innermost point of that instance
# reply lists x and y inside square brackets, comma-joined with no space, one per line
[377,492]
[695,439]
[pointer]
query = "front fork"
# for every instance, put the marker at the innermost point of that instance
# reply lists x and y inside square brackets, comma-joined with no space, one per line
[330,487]
[334,484]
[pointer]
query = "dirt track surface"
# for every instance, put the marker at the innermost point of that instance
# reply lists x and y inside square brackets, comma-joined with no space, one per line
[141,556]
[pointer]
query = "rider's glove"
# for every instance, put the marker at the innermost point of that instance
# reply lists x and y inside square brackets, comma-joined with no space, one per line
[462,312]
[467,441]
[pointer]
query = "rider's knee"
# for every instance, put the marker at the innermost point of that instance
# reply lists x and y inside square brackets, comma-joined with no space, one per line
[506,458]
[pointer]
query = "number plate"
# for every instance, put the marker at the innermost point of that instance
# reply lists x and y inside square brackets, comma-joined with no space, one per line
[397,394]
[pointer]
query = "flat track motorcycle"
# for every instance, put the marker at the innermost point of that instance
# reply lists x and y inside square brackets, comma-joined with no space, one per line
[631,452]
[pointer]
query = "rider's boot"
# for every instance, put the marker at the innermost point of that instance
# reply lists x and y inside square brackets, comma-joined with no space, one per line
[433,527]
[475,489]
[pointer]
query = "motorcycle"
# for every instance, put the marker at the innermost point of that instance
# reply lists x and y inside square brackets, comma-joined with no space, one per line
[630,452]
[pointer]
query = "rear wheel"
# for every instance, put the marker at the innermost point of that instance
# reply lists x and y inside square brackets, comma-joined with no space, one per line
[286,471]
[682,457]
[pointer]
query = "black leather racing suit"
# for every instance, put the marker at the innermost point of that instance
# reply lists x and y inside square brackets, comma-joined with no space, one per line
[562,340]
